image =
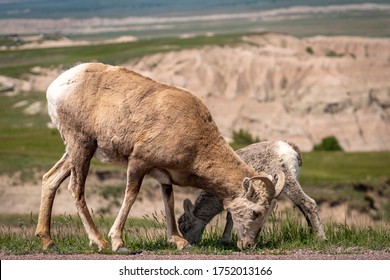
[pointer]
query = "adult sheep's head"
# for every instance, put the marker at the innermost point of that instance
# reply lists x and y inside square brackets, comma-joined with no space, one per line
[251,210]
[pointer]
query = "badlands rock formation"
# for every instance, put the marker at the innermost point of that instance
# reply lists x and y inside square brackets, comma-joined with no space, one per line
[280,87]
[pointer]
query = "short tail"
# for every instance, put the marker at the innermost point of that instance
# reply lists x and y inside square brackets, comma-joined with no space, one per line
[299,156]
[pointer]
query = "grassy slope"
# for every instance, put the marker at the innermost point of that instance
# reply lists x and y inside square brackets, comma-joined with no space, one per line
[16,63]
[340,167]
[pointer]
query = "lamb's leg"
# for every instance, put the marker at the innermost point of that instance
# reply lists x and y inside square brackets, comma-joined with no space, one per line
[227,233]
[50,183]
[136,171]
[308,207]
[81,156]
[169,204]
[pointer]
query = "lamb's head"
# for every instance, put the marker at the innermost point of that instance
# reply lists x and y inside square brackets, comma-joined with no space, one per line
[251,210]
[191,226]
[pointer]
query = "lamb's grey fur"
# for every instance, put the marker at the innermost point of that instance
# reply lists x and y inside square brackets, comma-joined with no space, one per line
[266,156]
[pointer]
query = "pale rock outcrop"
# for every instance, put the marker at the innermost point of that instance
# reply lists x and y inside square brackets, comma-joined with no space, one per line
[301,90]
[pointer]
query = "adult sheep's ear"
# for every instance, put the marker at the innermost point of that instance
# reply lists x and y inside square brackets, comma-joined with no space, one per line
[251,194]
[248,188]
[246,183]
[188,207]
[280,182]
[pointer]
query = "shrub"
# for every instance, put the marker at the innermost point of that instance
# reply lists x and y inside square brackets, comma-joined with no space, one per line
[309,50]
[329,143]
[243,138]
[332,53]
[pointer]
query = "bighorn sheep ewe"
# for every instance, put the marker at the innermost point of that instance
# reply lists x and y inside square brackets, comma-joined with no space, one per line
[121,117]
[266,156]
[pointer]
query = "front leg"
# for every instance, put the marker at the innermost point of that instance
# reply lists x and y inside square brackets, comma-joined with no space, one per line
[227,233]
[172,231]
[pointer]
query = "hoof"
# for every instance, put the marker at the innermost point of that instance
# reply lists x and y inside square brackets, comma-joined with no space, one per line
[126,251]
[321,235]
[101,244]
[47,245]
[183,245]
[226,240]
[180,242]
[322,238]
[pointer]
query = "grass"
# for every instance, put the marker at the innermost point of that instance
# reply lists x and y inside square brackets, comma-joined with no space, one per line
[341,167]
[16,63]
[26,144]
[356,179]
[283,233]
[368,24]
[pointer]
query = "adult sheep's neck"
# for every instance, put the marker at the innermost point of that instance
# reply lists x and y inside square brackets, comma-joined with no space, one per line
[221,172]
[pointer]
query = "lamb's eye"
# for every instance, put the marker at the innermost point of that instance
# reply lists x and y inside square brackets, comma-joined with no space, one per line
[255,215]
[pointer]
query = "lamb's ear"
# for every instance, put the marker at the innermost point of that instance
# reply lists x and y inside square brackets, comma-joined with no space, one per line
[280,180]
[188,207]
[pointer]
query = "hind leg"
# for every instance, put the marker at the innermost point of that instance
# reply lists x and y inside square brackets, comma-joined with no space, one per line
[50,183]
[81,156]
[173,233]
[308,207]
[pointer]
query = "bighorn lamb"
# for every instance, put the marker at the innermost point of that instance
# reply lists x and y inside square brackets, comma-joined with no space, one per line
[266,156]
[121,117]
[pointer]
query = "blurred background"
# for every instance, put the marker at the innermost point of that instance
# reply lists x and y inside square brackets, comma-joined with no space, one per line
[315,73]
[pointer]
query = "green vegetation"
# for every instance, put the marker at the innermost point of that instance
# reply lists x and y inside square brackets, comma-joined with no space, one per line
[309,50]
[328,144]
[359,179]
[242,138]
[332,53]
[26,144]
[18,62]
[284,232]
[114,195]
[324,168]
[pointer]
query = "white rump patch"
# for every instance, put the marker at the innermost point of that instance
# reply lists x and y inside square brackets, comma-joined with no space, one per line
[289,156]
[62,86]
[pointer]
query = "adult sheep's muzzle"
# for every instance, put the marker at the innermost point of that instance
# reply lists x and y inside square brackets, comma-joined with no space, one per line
[245,244]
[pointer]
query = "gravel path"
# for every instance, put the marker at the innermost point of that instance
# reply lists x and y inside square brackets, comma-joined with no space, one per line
[293,255]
